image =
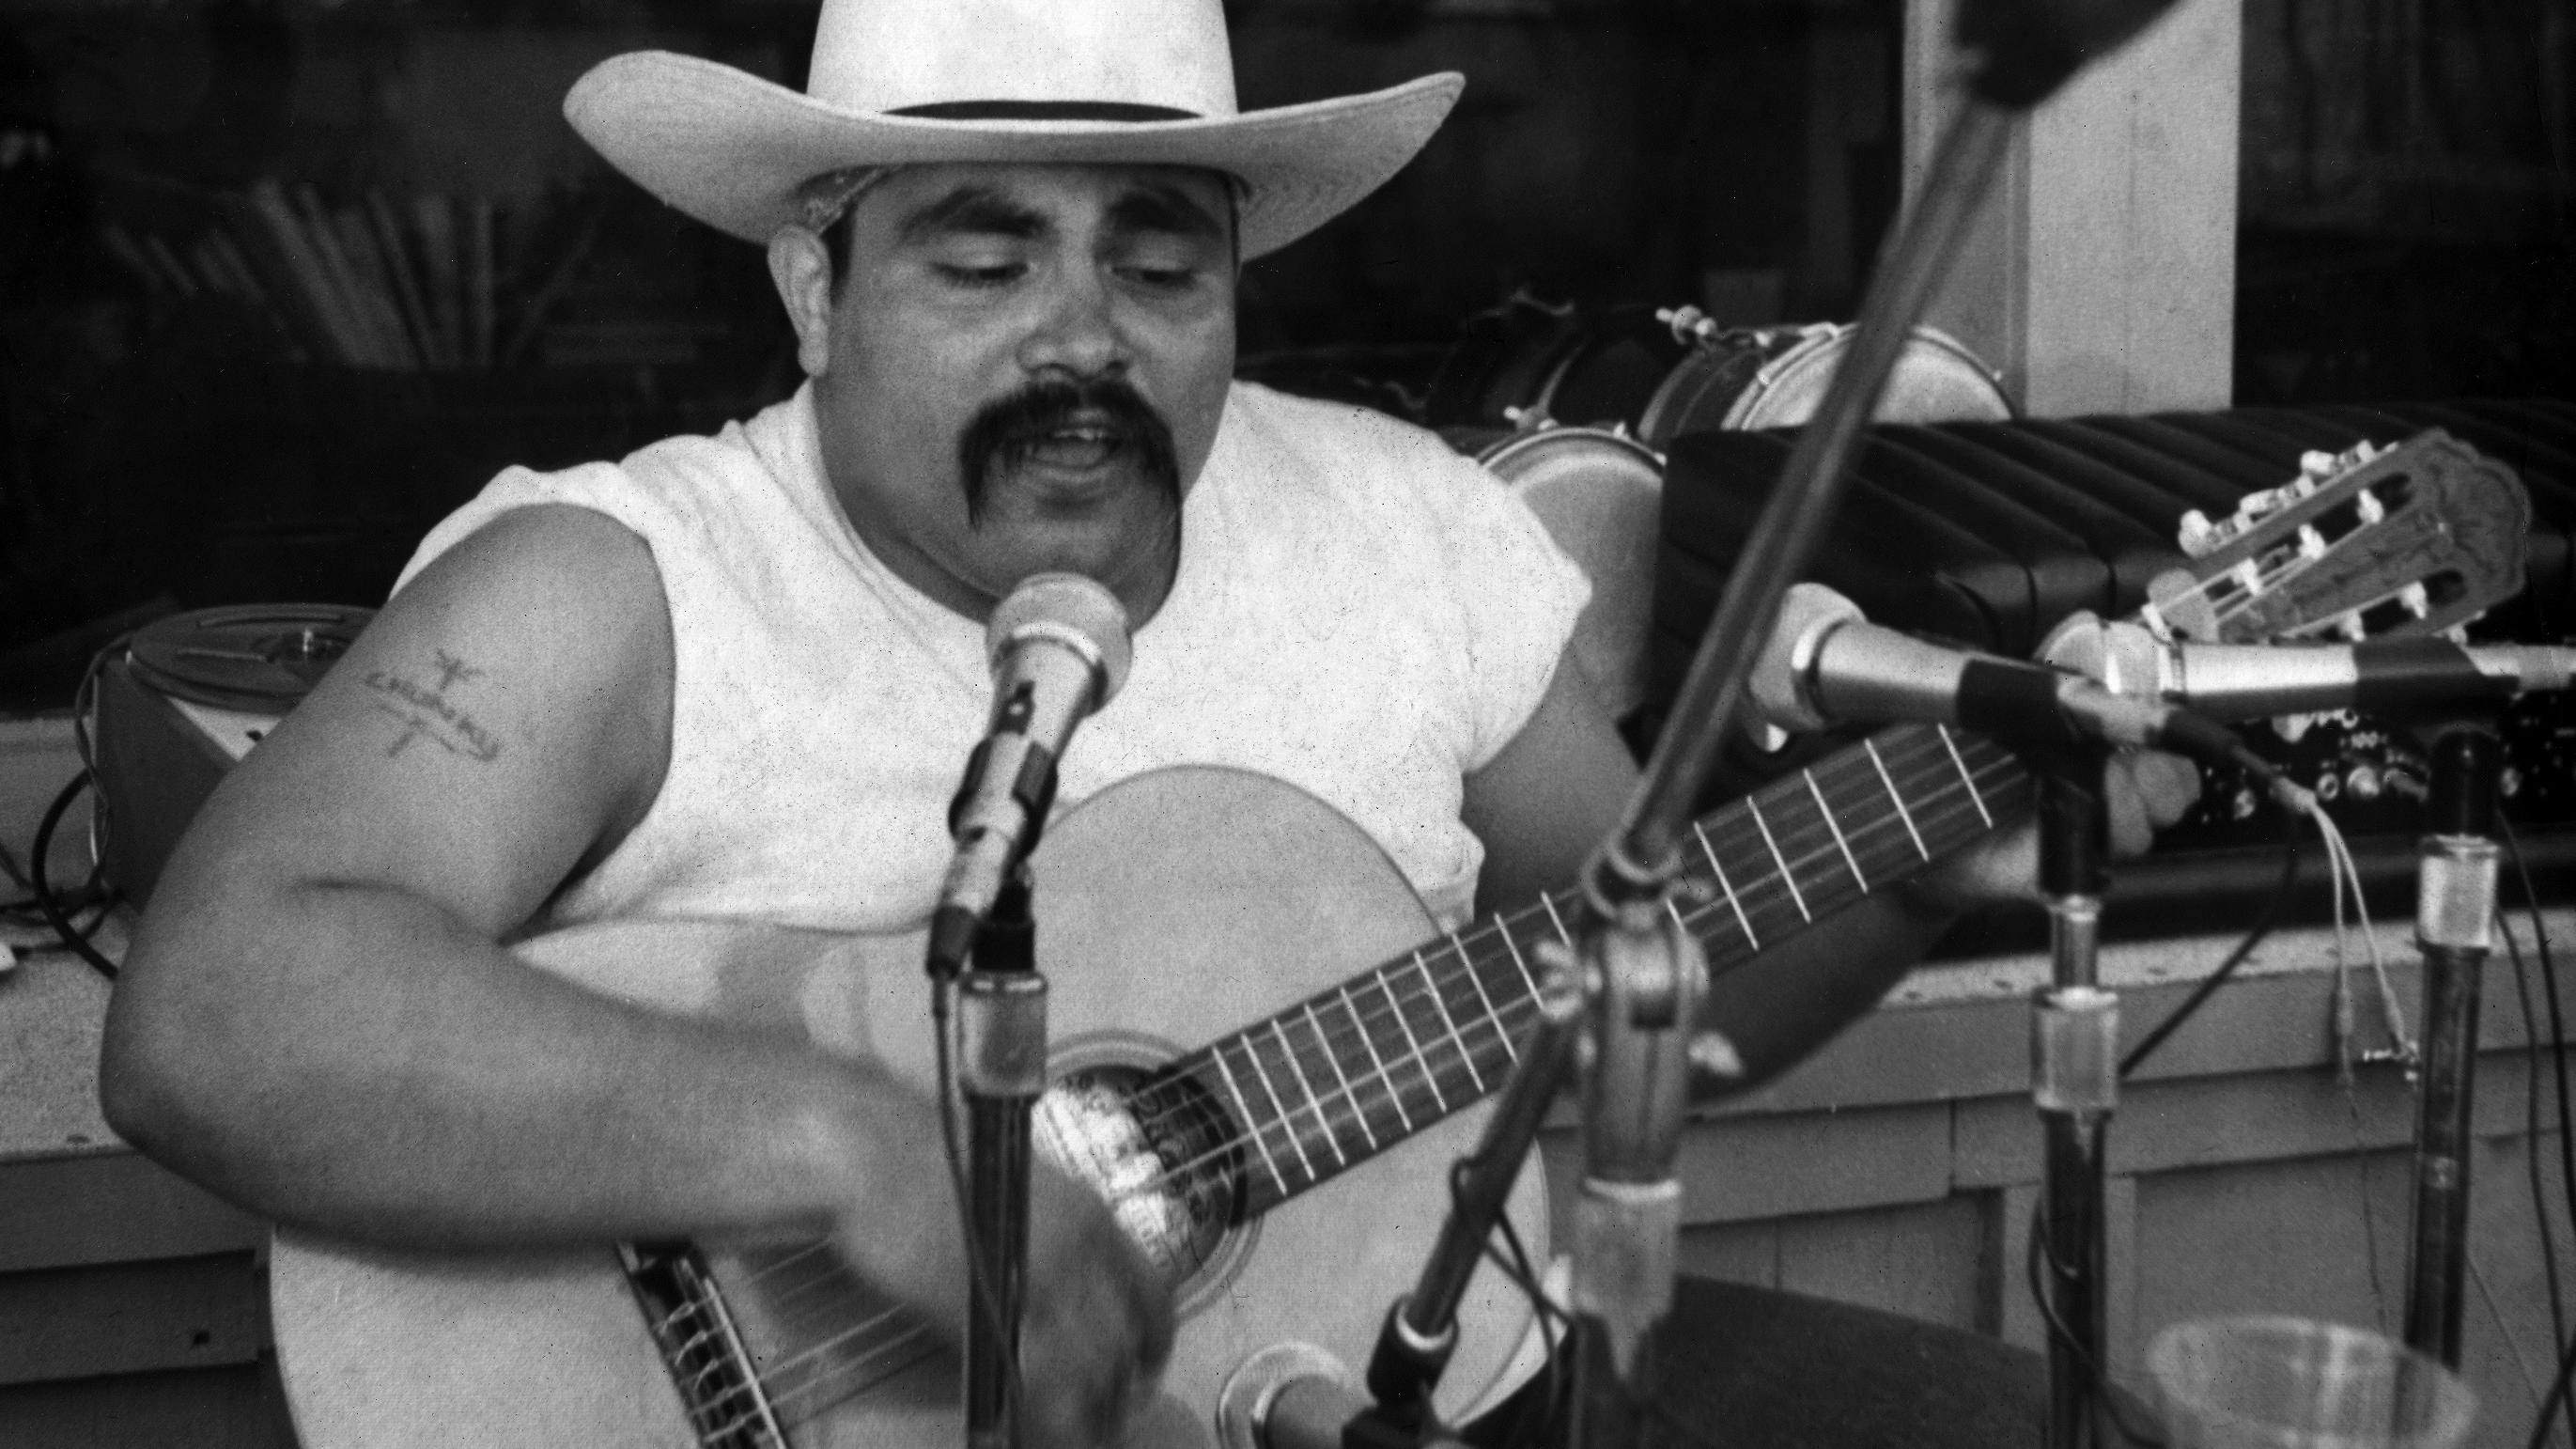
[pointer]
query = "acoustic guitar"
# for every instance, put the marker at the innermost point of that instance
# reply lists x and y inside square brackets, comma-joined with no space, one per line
[1291,1169]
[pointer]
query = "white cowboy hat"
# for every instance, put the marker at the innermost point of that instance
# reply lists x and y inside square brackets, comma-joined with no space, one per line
[909,82]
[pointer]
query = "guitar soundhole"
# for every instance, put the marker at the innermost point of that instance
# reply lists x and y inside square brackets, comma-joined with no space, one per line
[1158,1147]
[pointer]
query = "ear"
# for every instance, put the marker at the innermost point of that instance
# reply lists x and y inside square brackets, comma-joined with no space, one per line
[802,272]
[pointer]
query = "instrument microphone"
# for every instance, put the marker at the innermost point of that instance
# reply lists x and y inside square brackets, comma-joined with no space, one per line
[2257,681]
[1824,664]
[1292,1396]
[1059,650]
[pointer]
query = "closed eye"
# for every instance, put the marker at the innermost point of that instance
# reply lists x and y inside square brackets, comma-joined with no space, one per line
[1165,279]
[1001,274]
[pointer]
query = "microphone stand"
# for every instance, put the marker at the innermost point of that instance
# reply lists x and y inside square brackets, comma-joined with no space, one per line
[1002,1041]
[2075,1079]
[1421,1328]
[2455,910]
[1648,978]
[1644,975]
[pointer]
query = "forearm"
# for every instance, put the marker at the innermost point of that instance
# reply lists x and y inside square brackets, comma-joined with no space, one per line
[1791,999]
[354,1060]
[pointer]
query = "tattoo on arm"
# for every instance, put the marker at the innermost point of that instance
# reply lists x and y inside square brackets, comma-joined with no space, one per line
[425,713]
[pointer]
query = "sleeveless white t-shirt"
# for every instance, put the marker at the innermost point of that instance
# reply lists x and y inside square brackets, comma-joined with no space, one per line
[1358,611]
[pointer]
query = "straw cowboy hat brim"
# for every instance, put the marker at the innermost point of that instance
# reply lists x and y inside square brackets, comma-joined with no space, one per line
[732,149]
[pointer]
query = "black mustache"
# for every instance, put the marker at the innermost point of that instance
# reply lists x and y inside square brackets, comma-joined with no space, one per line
[1005,429]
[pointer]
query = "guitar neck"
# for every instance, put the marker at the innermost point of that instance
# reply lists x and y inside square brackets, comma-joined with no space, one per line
[1345,1074]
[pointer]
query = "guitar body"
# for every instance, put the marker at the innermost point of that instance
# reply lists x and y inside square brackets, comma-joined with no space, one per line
[1172,909]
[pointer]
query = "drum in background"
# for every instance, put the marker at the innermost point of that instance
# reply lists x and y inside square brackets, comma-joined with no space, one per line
[1774,377]
[1600,495]
[1586,367]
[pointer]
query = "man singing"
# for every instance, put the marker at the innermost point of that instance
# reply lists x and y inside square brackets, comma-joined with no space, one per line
[733,680]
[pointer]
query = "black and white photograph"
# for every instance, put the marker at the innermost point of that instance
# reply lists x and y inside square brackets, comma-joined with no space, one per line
[1287,724]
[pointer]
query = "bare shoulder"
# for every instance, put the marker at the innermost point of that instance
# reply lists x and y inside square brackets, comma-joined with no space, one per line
[501,722]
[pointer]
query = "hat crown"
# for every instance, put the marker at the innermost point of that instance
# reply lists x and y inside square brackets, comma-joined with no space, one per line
[887,55]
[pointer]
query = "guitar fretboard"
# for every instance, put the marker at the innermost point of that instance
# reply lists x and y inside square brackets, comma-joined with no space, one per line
[1347,1073]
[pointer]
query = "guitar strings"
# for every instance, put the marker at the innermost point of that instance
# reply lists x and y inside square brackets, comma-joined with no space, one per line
[826,1381]
[1175,1093]
[822,1377]
[1257,1127]
[1421,1059]
[811,1361]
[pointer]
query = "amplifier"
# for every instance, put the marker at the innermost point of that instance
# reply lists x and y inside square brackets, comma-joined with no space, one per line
[177,704]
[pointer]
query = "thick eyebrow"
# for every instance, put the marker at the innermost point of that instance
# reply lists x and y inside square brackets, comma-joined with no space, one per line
[972,211]
[1156,206]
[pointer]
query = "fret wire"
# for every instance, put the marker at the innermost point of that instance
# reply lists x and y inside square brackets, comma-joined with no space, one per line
[1556,920]
[1901,812]
[1308,1088]
[1701,913]
[1385,1077]
[1348,1094]
[1979,800]
[1504,929]
[1753,805]
[1263,1074]
[1493,1018]
[1243,1110]
[1441,1004]
[1421,1062]
[1725,885]
[1875,838]
[1827,810]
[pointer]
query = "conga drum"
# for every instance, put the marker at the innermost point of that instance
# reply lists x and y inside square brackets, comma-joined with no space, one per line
[1599,493]
[1774,377]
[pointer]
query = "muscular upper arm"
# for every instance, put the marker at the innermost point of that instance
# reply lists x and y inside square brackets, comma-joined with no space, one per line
[503,719]
[1546,801]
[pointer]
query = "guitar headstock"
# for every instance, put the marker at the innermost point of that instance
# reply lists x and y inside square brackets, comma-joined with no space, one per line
[2374,542]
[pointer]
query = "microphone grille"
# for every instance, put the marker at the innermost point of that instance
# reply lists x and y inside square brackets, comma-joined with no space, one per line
[1073,610]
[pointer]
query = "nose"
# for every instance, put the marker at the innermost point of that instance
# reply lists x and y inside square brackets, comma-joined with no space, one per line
[1077,331]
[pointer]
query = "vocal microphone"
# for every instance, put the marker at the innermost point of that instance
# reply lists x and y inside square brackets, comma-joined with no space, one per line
[2257,681]
[1059,650]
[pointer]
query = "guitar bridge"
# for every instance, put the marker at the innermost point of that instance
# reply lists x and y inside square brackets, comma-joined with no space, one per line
[704,1353]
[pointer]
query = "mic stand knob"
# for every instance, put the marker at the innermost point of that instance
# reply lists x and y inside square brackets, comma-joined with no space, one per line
[1645,976]
[1002,1041]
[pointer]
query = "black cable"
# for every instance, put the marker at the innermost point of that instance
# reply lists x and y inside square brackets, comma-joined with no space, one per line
[2557,1396]
[72,940]
[2531,1134]
[2558,1054]
[1528,1434]
[979,1274]
[2104,1401]
[2209,984]
[1523,1275]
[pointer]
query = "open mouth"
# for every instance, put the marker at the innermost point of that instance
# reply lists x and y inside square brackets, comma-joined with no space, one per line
[1082,437]
[1073,449]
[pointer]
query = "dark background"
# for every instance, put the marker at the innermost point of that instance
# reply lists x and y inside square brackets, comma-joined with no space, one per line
[173,437]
